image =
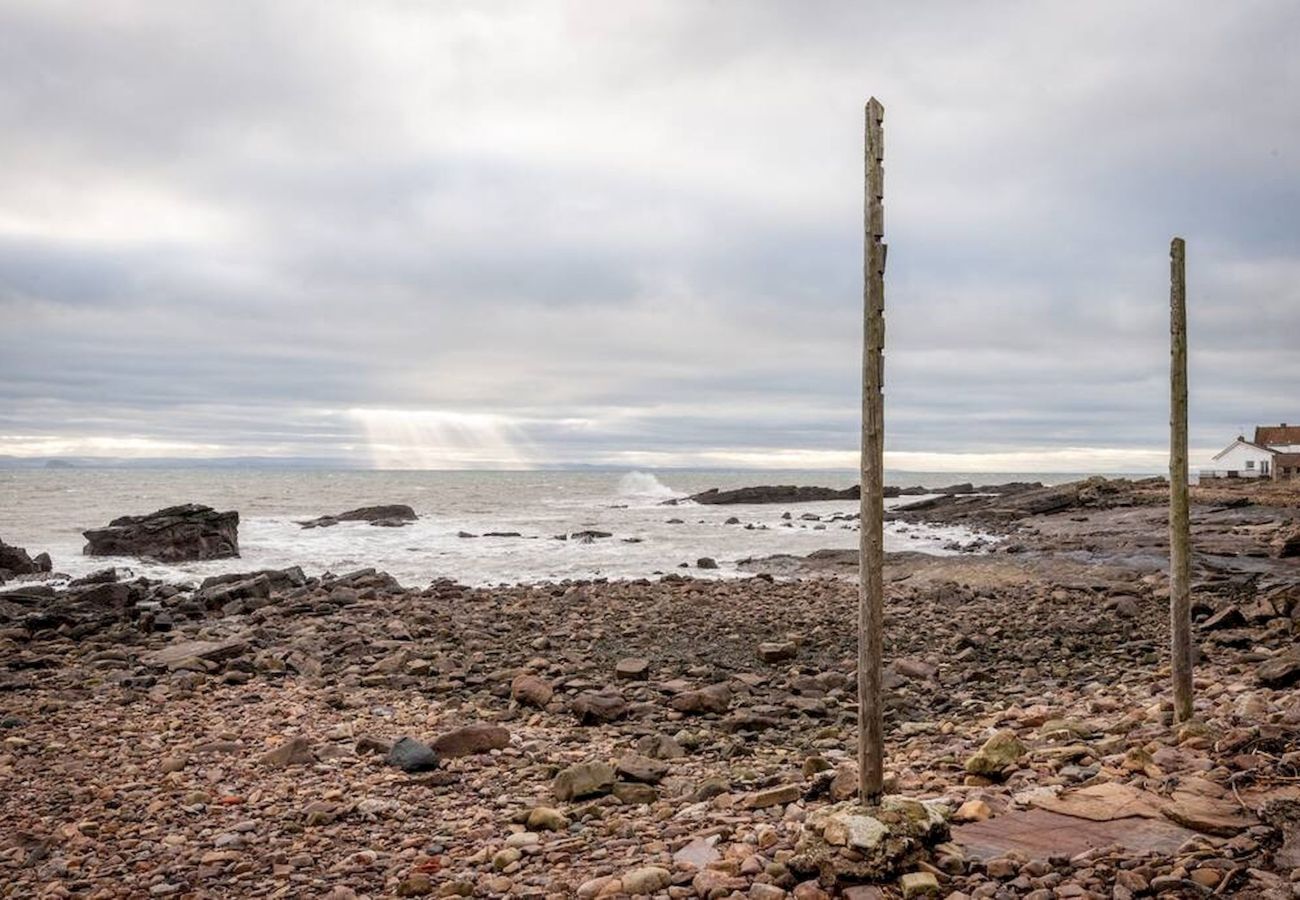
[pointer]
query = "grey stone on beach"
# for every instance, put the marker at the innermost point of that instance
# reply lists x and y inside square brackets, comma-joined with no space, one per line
[411,755]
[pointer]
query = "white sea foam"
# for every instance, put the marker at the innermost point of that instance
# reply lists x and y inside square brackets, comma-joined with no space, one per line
[644,486]
[46,510]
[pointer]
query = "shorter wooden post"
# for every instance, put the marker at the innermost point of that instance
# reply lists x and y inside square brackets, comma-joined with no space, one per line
[1180,605]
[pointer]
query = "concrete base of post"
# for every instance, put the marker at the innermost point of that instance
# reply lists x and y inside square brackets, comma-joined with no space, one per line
[849,843]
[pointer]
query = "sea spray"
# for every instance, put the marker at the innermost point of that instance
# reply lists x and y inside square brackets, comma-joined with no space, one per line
[646,487]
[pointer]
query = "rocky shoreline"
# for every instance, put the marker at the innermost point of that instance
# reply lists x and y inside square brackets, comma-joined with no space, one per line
[274,734]
[789,493]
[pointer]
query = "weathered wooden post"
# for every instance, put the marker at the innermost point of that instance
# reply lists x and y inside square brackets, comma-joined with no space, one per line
[871,589]
[871,837]
[1180,606]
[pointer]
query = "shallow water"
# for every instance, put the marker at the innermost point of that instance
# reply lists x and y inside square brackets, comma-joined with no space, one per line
[48,509]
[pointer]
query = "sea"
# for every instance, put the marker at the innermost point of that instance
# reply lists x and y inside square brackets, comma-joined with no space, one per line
[47,509]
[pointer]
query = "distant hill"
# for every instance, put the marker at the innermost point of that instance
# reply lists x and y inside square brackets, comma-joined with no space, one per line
[227,462]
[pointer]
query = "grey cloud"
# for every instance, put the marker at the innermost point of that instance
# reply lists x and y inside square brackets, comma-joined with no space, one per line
[230,224]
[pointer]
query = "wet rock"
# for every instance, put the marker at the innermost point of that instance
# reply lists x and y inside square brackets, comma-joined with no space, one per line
[99,576]
[221,595]
[174,534]
[780,493]
[389,516]
[15,561]
[411,755]
[706,562]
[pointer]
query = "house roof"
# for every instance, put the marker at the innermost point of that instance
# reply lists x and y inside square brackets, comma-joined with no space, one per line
[1270,435]
[1286,459]
[1242,440]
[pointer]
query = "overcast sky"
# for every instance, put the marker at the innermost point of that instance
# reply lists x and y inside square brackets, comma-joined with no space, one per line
[444,234]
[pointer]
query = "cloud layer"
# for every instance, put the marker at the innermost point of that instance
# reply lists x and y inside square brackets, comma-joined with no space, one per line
[521,234]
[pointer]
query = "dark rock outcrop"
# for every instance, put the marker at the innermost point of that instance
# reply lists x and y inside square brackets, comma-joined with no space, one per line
[15,561]
[174,534]
[789,493]
[1004,503]
[280,579]
[777,493]
[393,515]
[1286,546]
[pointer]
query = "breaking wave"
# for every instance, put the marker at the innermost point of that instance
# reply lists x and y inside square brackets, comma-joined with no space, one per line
[644,486]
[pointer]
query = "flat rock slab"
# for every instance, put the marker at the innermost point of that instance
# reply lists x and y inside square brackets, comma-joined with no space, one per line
[1104,802]
[1039,833]
[213,651]
[1207,814]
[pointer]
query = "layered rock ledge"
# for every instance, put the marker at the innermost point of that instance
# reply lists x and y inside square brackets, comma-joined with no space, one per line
[393,515]
[174,534]
[16,561]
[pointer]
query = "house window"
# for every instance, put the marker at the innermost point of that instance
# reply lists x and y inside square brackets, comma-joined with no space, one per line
[1250,464]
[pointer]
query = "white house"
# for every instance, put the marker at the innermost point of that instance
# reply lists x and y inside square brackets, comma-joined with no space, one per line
[1274,453]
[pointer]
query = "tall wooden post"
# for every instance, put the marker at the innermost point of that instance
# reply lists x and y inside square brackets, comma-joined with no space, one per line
[1180,605]
[871,589]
